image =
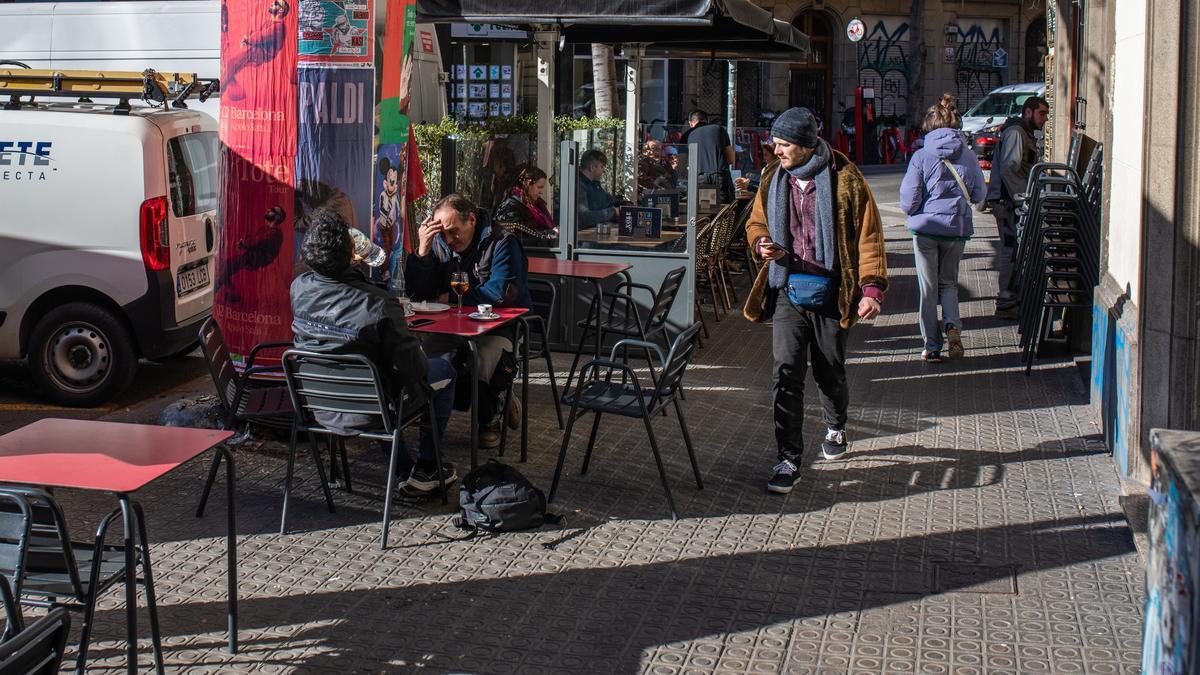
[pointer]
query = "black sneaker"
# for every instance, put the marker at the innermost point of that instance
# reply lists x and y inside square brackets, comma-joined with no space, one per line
[785,477]
[835,444]
[932,355]
[1009,313]
[424,478]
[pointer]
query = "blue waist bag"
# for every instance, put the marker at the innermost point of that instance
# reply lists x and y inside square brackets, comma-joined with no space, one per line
[810,290]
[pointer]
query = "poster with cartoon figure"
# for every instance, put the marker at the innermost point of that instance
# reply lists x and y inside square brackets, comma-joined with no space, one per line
[336,31]
[258,156]
[387,205]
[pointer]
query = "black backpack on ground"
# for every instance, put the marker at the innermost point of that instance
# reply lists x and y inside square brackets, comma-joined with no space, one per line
[495,497]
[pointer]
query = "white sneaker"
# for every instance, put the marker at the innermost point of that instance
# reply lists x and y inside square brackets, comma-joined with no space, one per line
[835,444]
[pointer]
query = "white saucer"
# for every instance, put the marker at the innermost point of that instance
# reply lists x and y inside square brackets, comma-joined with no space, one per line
[428,307]
[483,317]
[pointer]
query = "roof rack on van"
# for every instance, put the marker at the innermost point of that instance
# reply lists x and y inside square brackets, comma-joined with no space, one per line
[149,85]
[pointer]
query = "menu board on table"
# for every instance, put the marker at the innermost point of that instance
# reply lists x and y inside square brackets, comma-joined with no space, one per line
[667,200]
[640,219]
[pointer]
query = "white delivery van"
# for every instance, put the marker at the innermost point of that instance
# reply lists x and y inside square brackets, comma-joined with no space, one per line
[107,239]
[169,36]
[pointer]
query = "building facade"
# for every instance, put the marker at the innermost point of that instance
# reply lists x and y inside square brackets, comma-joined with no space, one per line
[970,48]
[1125,76]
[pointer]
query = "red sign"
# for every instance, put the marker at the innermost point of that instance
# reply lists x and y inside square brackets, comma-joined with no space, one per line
[258,145]
[427,42]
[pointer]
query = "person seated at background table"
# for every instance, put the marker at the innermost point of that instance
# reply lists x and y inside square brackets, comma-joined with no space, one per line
[653,171]
[524,207]
[459,237]
[595,204]
[337,310]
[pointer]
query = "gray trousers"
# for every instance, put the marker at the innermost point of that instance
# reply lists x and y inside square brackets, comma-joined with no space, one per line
[1006,223]
[937,281]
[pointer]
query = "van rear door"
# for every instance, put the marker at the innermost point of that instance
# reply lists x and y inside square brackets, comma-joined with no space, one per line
[192,160]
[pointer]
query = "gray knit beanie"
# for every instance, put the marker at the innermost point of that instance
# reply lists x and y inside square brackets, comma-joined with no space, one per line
[796,125]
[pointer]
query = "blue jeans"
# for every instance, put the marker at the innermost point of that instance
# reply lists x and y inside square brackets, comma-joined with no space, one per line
[937,280]
[443,402]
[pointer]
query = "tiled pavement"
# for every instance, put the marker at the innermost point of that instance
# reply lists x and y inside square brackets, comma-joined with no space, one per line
[973,527]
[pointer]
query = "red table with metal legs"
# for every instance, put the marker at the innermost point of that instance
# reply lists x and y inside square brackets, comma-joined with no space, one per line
[452,323]
[120,459]
[595,272]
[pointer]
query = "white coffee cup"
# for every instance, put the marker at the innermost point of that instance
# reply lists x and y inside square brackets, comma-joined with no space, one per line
[484,310]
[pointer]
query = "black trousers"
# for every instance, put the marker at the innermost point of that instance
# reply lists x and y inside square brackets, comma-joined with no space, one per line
[801,336]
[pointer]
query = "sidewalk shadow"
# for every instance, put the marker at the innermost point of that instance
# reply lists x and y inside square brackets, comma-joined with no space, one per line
[606,619]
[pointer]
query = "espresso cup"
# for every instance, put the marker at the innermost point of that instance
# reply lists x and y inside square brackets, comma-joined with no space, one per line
[485,310]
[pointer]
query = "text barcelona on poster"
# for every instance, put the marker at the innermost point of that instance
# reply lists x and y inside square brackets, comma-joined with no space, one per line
[258,134]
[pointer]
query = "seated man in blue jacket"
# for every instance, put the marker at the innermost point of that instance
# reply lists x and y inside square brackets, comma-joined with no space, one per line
[459,237]
[337,310]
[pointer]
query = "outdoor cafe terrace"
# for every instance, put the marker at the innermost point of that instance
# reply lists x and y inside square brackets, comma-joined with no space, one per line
[969,528]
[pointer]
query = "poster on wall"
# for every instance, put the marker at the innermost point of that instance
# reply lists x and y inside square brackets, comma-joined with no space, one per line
[258,155]
[387,207]
[479,91]
[336,31]
[333,162]
[493,91]
[506,72]
[395,90]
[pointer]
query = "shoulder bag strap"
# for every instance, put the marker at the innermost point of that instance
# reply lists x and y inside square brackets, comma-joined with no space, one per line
[958,179]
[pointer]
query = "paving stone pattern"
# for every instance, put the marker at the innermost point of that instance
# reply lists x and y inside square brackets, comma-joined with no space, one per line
[973,527]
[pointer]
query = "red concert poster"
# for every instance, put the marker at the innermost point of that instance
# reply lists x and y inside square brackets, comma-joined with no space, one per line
[258,136]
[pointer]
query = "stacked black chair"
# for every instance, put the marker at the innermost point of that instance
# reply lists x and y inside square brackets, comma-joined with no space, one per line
[1058,257]
[598,393]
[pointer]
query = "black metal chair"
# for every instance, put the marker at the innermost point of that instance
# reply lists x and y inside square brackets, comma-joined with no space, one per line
[242,398]
[57,569]
[39,648]
[543,324]
[628,398]
[16,519]
[349,384]
[630,323]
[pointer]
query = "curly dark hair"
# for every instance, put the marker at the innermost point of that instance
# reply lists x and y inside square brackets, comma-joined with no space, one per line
[327,246]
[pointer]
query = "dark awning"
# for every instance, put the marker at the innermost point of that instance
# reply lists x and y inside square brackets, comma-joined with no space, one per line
[779,49]
[627,21]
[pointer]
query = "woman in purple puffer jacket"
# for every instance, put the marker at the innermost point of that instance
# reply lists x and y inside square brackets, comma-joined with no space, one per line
[939,216]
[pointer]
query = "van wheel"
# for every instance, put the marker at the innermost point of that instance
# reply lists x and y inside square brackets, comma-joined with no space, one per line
[81,355]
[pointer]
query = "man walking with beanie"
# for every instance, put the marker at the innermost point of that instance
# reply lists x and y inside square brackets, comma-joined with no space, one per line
[815,220]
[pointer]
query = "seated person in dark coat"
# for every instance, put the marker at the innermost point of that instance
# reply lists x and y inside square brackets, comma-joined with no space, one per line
[595,204]
[460,237]
[337,310]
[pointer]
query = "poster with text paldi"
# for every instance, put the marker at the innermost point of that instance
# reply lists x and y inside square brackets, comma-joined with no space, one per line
[333,166]
[336,31]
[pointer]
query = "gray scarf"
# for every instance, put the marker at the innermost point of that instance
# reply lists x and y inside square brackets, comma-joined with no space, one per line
[817,168]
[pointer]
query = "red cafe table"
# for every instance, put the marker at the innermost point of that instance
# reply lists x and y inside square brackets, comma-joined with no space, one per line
[119,459]
[452,323]
[595,272]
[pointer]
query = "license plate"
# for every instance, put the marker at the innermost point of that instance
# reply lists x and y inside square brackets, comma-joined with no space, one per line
[987,176]
[191,279]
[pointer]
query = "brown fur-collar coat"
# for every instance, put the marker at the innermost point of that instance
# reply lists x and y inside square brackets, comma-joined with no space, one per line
[862,259]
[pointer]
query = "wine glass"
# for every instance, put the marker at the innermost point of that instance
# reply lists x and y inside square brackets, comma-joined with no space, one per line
[459,283]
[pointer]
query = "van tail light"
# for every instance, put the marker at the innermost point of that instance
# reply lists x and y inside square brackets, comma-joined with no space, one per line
[156,245]
[984,164]
[987,140]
